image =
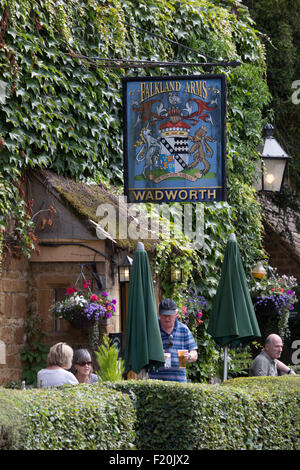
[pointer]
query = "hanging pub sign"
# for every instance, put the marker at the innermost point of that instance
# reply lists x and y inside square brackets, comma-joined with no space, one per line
[174,138]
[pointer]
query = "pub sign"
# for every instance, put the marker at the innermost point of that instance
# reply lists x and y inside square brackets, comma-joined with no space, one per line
[174,138]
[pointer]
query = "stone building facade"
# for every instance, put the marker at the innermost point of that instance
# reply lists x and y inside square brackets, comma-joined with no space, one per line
[282,237]
[68,246]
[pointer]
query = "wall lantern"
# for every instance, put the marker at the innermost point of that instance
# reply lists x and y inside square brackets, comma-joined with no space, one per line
[124,269]
[273,164]
[259,271]
[176,275]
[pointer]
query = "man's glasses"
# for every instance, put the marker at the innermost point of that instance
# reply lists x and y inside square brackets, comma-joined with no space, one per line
[170,343]
[87,363]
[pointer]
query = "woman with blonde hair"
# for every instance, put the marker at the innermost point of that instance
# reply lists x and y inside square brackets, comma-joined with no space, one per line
[55,374]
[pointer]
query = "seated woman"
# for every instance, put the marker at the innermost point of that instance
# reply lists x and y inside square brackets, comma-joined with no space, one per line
[55,374]
[82,367]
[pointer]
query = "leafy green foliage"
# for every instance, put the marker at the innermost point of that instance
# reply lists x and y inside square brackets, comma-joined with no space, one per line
[83,417]
[111,366]
[34,357]
[280,28]
[63,109]
[34,354]
[241,414]
[10,419]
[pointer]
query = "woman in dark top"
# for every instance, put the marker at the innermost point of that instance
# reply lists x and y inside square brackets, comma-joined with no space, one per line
[82,367]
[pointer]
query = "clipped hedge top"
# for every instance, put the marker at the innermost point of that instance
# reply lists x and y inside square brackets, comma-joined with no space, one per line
[240,414]
[288,383]
[248,413]
[252,388]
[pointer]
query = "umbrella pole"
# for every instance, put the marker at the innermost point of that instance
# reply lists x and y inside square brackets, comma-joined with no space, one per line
[225,362]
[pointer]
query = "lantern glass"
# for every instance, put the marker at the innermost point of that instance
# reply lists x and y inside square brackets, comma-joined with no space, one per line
[273,173]
[271,168]
[176,275]
[124,269]
[124,273]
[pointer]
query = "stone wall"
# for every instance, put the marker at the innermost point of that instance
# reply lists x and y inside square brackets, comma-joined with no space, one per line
[45,278]
[281,255]
[282,237]
[13,309]
[31,286]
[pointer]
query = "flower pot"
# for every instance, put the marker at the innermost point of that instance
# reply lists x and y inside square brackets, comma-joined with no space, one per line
[104,321]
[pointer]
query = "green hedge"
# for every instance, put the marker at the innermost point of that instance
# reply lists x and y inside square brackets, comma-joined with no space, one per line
[254,413]
[248,413]
[87,417]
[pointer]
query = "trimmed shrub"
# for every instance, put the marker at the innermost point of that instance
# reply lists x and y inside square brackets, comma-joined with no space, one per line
[85,417]
[10,418]
[245,413]
[255,413]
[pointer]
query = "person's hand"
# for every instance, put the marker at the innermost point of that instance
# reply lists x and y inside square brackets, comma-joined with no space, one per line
[187,356]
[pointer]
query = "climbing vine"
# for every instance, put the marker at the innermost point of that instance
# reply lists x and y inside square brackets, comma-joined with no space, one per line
[62,109]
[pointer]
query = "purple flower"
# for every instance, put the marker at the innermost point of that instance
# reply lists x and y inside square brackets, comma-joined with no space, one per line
[104,294]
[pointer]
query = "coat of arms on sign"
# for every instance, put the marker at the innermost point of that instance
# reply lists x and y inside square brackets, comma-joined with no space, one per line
[174,138]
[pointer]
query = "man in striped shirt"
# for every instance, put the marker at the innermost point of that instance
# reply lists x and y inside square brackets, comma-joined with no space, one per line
[175,336]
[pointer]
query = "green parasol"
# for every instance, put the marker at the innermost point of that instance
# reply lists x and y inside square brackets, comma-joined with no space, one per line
[143,347]
[233,321]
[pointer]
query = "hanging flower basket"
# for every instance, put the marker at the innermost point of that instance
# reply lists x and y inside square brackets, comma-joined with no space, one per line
[83,308]
[79,320]
[265,307]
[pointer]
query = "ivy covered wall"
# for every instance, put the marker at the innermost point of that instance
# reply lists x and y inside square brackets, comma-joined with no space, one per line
[279,24]
[62,109]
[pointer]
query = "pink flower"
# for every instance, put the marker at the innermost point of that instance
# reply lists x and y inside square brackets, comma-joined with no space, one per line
[94,297]
[184,310]
[71,290]
[281,290]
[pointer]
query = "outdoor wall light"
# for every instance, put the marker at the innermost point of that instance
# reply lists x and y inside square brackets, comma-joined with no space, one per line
[273,164]
[124,269]
[259,271]
[176,275]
